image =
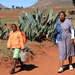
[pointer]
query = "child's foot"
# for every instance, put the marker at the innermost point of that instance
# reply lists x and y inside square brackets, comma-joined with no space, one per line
[12,71]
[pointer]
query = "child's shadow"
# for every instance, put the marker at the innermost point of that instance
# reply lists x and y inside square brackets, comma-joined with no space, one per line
[26,67]
[67,66]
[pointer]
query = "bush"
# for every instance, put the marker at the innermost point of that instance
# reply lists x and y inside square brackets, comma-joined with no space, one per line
[0,8]
[64,11]
[70,12]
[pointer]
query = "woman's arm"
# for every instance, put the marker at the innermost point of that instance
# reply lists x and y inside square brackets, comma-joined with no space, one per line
[72,36]
[71,29]
[72,33]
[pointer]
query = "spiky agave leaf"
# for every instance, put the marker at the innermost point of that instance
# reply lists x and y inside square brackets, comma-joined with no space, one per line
[37,24]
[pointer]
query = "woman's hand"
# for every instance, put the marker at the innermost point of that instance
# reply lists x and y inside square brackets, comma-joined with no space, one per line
[56,44]
[72,41]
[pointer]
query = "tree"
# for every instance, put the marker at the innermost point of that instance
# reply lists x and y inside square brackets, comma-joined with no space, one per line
[21,7]
[13,6]
[17,7]
[0,8]
[73,2]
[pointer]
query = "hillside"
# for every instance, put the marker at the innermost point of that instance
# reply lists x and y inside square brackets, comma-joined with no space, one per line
[1,6]
[41,3]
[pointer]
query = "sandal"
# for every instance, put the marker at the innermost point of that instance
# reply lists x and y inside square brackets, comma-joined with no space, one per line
[60,70]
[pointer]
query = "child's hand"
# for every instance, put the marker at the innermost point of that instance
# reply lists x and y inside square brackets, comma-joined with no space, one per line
[23,50]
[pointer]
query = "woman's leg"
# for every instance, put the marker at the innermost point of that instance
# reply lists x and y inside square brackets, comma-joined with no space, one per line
[70,60]
[61,63]
[70,63]
[62,54]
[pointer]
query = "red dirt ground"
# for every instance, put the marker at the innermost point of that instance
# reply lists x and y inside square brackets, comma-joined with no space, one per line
[45,62]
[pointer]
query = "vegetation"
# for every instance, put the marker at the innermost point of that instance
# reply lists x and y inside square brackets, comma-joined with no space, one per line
[73,2]
[4,54]
[4,31]
[71,12]
[0,8]
[38,25]
[13,6]
[17,7]
[64,11]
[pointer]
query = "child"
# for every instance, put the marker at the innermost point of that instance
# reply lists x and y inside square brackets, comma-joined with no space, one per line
[16,41]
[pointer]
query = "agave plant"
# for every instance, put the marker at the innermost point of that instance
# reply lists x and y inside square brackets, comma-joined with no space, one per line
[38,24]
[4,32]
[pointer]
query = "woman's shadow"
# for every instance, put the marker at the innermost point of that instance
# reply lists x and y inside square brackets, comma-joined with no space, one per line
[26,67]
[67,66]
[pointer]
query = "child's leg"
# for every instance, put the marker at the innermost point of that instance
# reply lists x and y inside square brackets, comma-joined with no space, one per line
[22,67]
[14,65]
[19,59]
[16,55]
[14,62]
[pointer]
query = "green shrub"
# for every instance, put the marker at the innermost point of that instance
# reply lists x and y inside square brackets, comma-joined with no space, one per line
[64,11]
[70,12]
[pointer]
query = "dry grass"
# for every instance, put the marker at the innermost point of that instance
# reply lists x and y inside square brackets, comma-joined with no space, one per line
[8,15]
[4,54]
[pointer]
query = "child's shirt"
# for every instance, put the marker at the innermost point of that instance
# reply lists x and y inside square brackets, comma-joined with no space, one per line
[15,40]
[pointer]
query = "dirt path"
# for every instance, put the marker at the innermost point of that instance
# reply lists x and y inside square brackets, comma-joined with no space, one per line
[45,62]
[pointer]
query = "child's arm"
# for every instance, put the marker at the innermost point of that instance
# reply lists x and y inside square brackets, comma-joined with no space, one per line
[8,43]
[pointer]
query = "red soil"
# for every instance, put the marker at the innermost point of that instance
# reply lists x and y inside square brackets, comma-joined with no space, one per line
[9,15]
[45,62]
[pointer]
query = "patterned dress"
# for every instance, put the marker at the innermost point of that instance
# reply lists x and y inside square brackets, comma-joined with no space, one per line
[66,49]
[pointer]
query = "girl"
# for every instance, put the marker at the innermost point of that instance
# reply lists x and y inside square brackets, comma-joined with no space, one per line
[16,42]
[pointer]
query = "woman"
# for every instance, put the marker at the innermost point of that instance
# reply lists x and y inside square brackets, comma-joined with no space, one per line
[16,42]
[64,38]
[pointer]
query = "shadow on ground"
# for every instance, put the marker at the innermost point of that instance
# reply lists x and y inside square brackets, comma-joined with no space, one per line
[26,67]
[67,66]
